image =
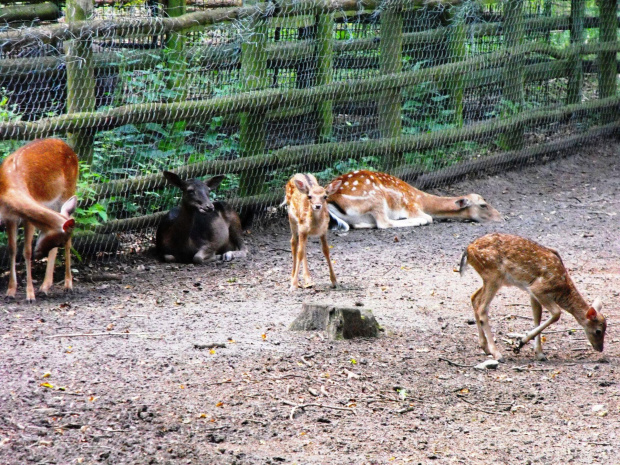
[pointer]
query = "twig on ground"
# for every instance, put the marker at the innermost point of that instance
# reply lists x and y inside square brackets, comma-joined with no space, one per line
[212,345]
[96,334]
[450,362]
[493,412]
[301,406]
[526,368]
[93,278]
[306,362]
[405,410]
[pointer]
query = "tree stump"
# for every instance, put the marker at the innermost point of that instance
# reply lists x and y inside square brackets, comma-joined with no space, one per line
[337,322]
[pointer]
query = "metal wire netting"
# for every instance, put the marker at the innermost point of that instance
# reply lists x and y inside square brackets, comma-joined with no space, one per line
[425,90]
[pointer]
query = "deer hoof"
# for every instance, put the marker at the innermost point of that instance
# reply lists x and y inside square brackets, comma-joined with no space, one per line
[308,285]
[541,357]
[228,256]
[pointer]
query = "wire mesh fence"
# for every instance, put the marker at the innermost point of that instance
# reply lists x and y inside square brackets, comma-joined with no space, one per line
[258,91]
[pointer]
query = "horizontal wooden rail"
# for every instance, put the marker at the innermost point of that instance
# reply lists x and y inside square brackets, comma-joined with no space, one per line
[321,153]
[268,99]
[43,11]
[493,163]
[279,55]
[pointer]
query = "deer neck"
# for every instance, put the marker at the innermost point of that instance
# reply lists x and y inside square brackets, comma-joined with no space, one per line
[18,204]
[572,301]
[439,207]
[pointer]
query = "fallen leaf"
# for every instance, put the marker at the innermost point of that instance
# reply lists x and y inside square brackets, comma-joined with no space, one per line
[264,336]
[47,385]
[219,404]
[47,374]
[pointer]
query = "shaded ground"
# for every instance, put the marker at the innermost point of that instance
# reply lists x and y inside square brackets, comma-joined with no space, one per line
[154,397]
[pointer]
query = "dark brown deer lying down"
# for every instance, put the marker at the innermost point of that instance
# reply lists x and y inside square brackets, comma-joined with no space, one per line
[506,260]
[199,230]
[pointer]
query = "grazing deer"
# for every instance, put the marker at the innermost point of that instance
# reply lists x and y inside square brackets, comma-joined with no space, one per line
[199,230]
[505,260]
[308,216]
[36,181]
[368,199]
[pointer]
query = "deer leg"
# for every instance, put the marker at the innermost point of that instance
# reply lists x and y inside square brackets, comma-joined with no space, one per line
[537,312]
[482,339]
[295,274]
[325,247]
[68,276]
[28,235]
[302,258]
[11,230]
[49,271]
[481,301]
[555,311]
[205,254]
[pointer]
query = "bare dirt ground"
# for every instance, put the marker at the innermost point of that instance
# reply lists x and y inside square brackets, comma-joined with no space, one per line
[132,384]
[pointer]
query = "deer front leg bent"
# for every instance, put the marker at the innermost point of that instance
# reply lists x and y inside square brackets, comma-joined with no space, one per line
[204,255]
[325,247]
[556,312]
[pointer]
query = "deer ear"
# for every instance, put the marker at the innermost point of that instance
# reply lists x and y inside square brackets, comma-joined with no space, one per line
[174,179]
[463,203]
[591,315]
[214,182]
[597,304]
[333,187]
[69,225]
[69,206]
[301,186]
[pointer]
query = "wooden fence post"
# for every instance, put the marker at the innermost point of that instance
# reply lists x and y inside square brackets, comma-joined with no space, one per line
[608,32]
[80,78]
[176,65]
[575,67]
[324,72]
[513,91]
[457,51]
[252,131]
[390,61]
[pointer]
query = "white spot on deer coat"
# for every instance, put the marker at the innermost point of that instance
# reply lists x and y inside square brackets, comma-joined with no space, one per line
[353,188]
[355,183]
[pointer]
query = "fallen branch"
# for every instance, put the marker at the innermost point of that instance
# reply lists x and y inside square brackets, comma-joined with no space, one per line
[526,368]
[481,409]
[302,406]
[450,362]
[213,345]
[96,334]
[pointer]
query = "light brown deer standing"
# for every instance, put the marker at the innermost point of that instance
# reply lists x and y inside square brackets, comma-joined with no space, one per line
[506,260]
[35,181]
[308,216]
[368,199]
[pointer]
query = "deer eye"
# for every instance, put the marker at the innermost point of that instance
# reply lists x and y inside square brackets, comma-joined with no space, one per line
[310,197]
[325,196]
[484,206]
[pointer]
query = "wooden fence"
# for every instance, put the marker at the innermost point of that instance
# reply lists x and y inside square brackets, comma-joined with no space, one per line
[520,60]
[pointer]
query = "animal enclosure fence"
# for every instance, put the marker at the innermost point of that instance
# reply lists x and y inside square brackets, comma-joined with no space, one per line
[427,90]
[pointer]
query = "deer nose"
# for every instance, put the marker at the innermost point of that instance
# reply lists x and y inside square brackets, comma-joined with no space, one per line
[317,206]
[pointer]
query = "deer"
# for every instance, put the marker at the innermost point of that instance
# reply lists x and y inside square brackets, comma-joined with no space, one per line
[368,199]
[507,260]
[37,188]
[199,230]
[308,216]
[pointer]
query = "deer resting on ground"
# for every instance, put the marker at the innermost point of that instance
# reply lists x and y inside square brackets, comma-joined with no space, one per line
[199,230]
[506,260]
[37,187]
[368,199]
[308,216]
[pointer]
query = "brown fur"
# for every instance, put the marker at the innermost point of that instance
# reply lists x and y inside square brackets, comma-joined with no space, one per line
[364,195]
[308,216]
[42,172]
[507,260]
